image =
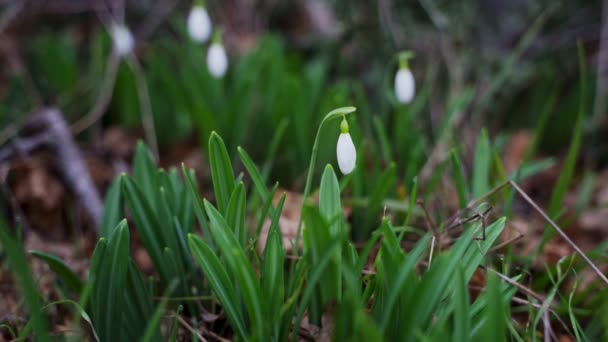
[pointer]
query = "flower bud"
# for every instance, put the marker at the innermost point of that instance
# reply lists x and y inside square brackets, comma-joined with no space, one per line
[405,86]
[199,24]
[122,39]
[217,61]
[345,150]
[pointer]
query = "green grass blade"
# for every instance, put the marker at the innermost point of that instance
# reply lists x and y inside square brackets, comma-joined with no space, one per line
[273,269]
[386,182]
[152,330]
[481,165]
[110,284]
[147,224]
[313,279]
[145,171]
[221,171]
[219,281]
[69,277]
[26,282]
[385,146]
[240,267]
[495,328]
[475,254]
[254,173]
[567,171]
[235,213]
[80,310]
[197,203]
[462,307]
[405,271]
[460,180]
[113,210]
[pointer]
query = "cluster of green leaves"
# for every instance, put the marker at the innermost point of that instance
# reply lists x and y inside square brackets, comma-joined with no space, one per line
[263,296]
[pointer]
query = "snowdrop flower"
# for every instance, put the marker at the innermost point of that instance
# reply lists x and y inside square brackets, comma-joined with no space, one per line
[199,24]
[405,86]
[122,39]
[345,151]
[217,61]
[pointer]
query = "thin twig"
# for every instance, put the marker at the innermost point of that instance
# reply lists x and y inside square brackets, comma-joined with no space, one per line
[547,324]
[205,331]
[559,231]
[431,252]
[190,328]
[521,287]
[506,243]
[105,95]
[430,224]
[536,305]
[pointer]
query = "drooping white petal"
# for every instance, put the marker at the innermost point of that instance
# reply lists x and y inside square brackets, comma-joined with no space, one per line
[122,39]
[199,24]
[346,153]
[405,86]
[217,61]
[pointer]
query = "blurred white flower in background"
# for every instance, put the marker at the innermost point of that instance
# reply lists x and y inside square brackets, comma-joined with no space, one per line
[122,39]
[199,24]
[345,150]
[217,60]
[405,85]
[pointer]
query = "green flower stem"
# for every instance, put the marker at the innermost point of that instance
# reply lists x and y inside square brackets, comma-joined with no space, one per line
[404,57]
[336,113]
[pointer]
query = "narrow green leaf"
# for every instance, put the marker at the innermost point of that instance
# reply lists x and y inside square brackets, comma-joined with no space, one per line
[495,329]
[481,165]
[110,283]
[252,169]
[197,202]
[69,277]
[462,320]
[239,266]
[405,272]
[313,279]
[461,183]
[385,183]
[219,281]
[567,171]
[235,213]
[147,224]
[221,171]
[475,254]
[273,278]
[113,210]
[175,324]
[80,310]
[385,146]
[152,332]
[144,170]
[329,200]
[26,282]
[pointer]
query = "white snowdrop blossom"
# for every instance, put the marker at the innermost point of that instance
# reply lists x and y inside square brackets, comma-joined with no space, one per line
[405,86]
[217,60]
[199,24]
[122,39]
[345,150]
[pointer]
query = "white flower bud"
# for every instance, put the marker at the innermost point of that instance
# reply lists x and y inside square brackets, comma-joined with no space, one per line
[345,150]
[199,24]
[122,39]
[217,61]
[405,86]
